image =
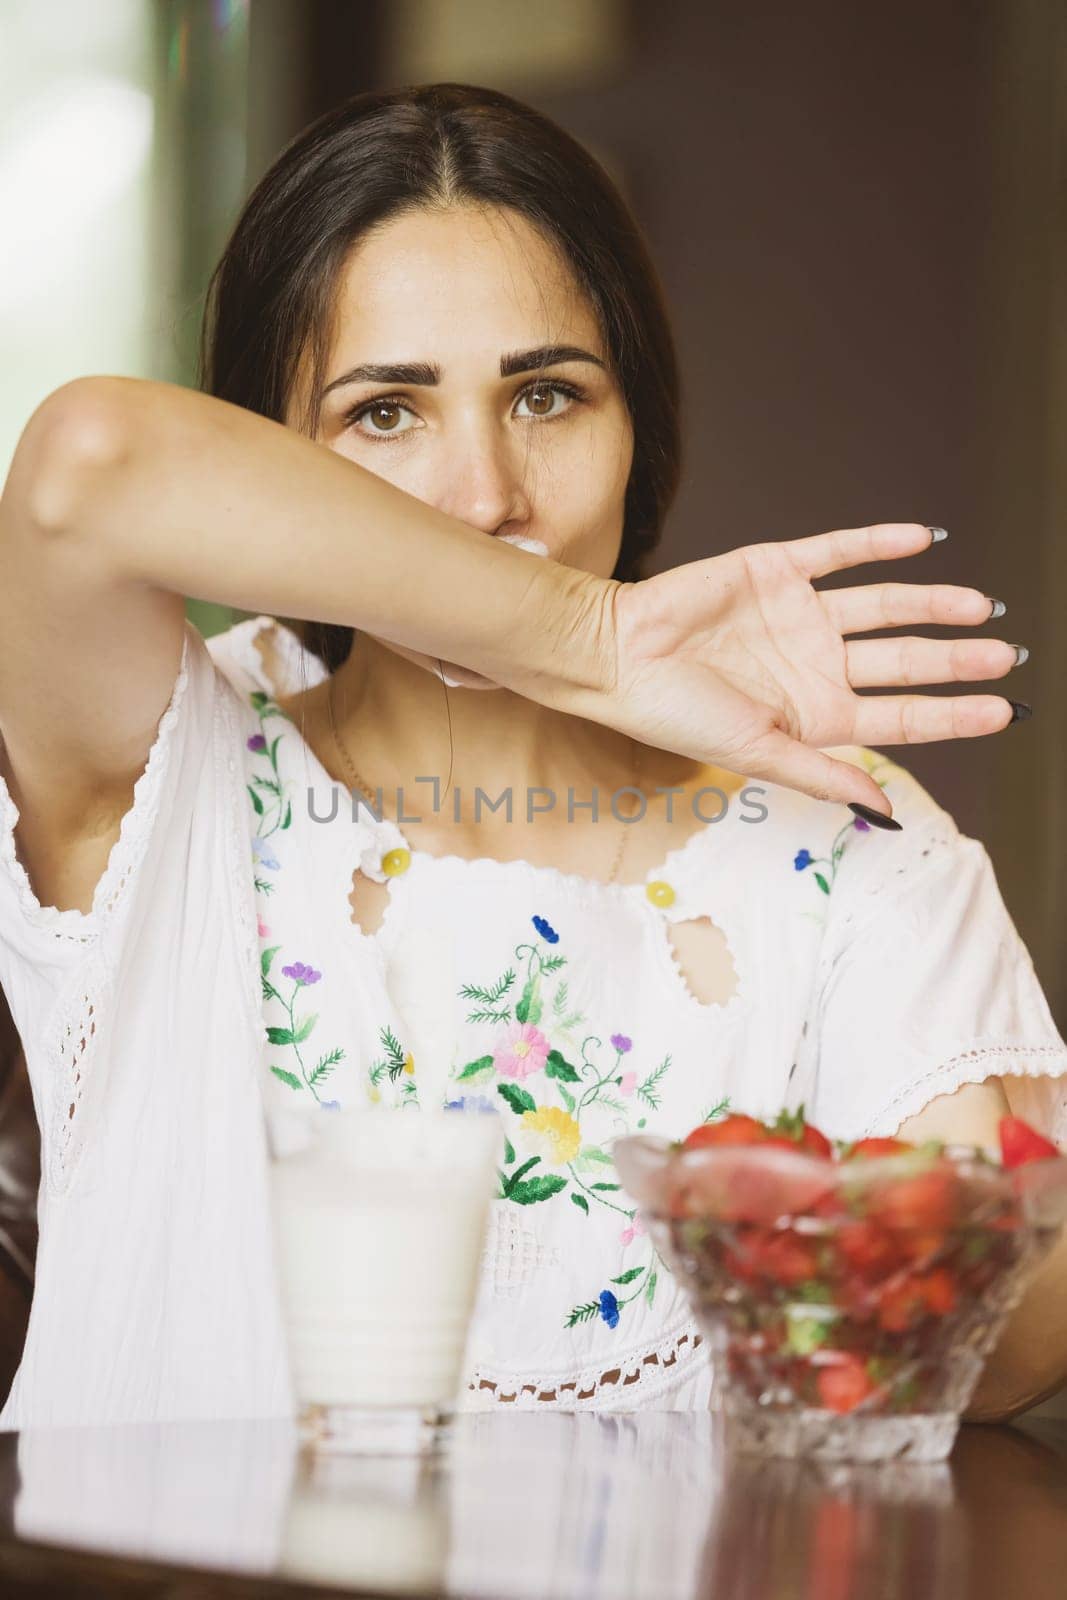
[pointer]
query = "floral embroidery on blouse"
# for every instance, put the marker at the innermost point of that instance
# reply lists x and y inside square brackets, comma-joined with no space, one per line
[564,1099]
[267,792]
[398,1067]
[804,858]
[297,1030]
[274,812]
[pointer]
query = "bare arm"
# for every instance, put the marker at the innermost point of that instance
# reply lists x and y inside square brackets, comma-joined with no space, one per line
[207,499]
[87,663]
[126,495]
[123,497]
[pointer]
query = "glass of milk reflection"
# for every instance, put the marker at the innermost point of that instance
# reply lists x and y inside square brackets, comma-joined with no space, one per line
[380,1216]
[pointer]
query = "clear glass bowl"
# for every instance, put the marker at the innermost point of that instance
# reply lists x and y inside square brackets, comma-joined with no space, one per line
[848,1306]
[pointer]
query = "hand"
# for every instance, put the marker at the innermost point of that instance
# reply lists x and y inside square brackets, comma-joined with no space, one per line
[738,661]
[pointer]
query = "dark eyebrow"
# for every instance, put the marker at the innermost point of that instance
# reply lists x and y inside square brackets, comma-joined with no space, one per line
[425,372]
[545,355]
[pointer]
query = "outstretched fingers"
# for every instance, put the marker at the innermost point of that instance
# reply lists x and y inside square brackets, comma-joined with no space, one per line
[820,553]
[897,605]
[909,658]
[923,718]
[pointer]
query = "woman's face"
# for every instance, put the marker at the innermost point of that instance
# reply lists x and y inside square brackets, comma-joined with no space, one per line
[537,453]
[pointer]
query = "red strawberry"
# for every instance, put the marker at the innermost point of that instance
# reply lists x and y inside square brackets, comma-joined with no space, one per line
[871,1149]
[815,1142]
[868,1249]
[939,1291]
[925,1203]
[902,1306]
[734,1129]
[784,1258]
[923,1247]
[843,1385]
[792,1125]
[1020,1144]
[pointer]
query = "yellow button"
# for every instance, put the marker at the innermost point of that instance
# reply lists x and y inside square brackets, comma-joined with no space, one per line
[660,893]
[396,861]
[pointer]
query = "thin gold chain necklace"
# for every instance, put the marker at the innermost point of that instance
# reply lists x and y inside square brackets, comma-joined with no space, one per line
[359,783]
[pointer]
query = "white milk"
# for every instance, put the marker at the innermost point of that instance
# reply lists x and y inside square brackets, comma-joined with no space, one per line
[380,1225]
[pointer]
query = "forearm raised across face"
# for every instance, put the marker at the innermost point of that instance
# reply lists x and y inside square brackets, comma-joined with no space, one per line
[210,500]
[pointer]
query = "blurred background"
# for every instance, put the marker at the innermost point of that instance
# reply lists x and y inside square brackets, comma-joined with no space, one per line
[858,213]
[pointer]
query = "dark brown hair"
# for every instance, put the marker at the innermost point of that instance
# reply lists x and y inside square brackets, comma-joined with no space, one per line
[272,295]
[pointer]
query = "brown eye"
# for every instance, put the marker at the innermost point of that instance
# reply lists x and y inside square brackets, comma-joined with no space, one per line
[386,415]
[540,398]
[540,401]
[379,419]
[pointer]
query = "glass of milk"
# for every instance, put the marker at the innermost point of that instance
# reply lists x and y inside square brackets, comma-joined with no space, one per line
[380,1218]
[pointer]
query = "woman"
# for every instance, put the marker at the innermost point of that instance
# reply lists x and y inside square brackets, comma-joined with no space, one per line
[444,290]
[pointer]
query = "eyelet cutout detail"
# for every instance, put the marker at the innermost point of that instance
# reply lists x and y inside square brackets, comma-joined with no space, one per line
[369,902]
[74,1048]
[702,960]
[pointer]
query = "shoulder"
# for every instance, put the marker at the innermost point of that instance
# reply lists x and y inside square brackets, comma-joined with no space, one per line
[875,872]
[831,857]
[766,825]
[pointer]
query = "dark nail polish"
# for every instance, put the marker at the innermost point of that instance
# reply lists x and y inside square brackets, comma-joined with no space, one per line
[1020,711]
[938,533]
[875,818]
[998,610]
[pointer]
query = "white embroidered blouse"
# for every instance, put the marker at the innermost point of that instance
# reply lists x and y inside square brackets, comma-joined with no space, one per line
[220,972]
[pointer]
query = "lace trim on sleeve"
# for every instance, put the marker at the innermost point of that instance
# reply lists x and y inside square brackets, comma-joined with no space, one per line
[83,927]
[982,1061]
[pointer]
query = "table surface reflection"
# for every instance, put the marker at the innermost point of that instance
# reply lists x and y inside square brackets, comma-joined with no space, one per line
[588,1506]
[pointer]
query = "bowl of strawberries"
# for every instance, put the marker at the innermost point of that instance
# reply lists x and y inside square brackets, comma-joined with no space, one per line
[849,1292]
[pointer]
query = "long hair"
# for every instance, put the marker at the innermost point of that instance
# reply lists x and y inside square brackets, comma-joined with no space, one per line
[271,298]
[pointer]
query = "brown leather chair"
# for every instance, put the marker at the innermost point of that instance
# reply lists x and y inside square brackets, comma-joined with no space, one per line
[20,1169]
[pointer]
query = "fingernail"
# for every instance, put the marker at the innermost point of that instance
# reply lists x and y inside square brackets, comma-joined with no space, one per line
[998,610]
[1021,654]
[875,818]
[938,533]
[1020,711]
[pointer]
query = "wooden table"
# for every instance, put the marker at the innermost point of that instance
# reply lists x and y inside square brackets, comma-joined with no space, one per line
[526,1507]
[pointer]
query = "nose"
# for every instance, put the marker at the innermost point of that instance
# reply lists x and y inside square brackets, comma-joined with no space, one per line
[484,482]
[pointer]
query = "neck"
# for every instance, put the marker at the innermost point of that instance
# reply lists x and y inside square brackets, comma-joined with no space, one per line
[398,722]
